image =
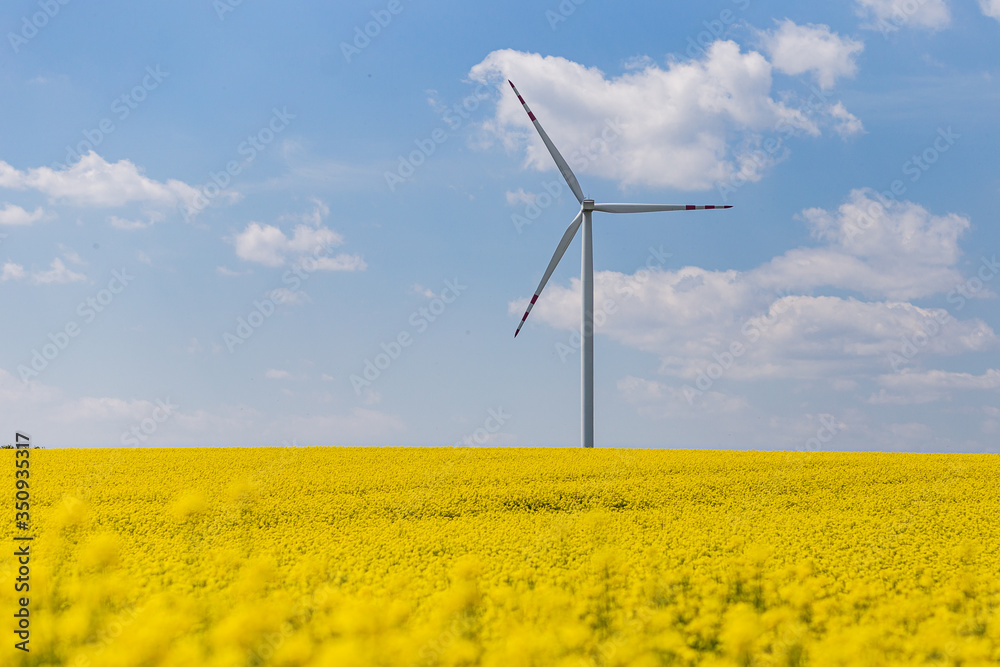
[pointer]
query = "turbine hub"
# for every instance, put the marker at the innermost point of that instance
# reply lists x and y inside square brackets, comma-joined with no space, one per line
[588,204]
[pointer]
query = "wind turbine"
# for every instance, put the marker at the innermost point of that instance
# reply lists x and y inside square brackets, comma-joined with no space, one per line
[587,208]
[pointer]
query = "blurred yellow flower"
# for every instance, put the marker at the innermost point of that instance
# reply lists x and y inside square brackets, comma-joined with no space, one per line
[427,557]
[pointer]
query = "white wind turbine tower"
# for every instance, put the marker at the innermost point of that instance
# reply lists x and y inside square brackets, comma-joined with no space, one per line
[587,207]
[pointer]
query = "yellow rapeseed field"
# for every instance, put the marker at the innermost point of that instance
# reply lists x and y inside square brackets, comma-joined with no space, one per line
[506,557]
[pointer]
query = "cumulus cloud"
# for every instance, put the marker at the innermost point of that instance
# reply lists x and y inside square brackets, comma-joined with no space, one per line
[890,15]
[770,317]
[92,181]
[895,250]
[57,274]
[990,8]
[276,374]
[264,244]
[797,49]
[13,215]
[688,125]
[11,271]
[271,246]
[845,123]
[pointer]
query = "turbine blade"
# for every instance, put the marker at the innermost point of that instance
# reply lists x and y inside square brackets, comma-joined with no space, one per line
[567,238]
[651,208]
[567,173]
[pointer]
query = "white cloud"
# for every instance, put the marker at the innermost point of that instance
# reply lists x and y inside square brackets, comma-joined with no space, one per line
[230,273]
[912,387]
[990,8]
[264,244]
[276,374]
[94,182]
[307,239]
[342,262]
[63,420]
[688,125]
[895,251]
[152,218]
[10,177]
[797,49]
[420,290]
[320,211]
[11,271]
[690,316]
[520,197]
[890,15]
[845,123]
[270,246]
[57,274]
[71,255]
[657,400]
[13,215]
[289,297]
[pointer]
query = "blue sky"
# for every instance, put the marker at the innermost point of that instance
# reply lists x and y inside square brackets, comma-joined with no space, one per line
[258,223]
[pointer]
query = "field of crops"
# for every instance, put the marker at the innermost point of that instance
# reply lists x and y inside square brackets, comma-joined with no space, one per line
[506,557]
